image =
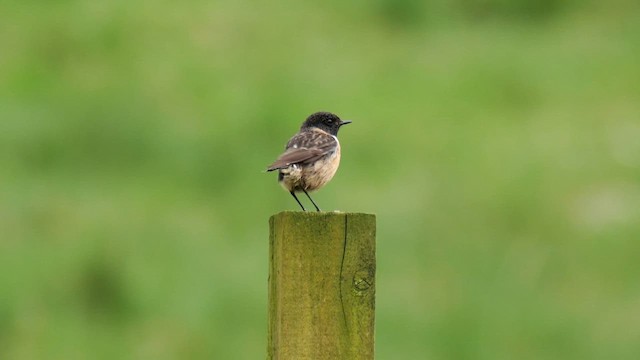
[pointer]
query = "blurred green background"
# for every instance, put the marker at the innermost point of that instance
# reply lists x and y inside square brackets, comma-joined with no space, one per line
[497,141]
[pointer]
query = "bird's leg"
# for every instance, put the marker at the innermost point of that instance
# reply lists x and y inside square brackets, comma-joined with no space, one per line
[313,202]
[299,203]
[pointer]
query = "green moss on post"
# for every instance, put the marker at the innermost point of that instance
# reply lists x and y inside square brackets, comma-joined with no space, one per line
[321,286]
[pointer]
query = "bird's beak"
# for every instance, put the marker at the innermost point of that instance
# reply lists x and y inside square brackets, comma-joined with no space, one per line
[345,122]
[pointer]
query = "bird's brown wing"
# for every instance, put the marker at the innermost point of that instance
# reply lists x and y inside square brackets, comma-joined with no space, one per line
[305,148]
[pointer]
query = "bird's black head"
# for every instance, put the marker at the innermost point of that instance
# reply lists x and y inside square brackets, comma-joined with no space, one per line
[326,121]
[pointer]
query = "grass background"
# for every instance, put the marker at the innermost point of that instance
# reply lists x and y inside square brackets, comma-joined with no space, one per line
[498,142]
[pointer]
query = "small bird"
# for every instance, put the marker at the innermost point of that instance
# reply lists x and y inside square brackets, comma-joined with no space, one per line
[311,156]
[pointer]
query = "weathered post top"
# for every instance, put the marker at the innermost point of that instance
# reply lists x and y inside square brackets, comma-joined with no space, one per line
[321,286]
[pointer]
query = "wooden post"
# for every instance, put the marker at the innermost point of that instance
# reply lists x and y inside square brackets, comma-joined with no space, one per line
[321,286]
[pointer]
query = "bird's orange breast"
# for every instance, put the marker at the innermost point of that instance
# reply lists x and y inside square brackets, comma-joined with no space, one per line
[313,176]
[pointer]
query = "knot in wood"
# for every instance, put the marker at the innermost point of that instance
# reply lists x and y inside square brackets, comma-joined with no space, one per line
[362,280]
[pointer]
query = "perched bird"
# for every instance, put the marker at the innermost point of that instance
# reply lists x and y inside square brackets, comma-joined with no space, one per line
[311,156]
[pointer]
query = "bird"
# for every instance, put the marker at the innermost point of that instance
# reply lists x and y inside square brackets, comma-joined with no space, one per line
[311,156]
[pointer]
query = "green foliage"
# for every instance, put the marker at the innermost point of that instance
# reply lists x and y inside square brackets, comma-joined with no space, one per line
[496,141]
[414,12]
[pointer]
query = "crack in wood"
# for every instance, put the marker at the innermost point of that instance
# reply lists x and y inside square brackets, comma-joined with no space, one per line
[344,252]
